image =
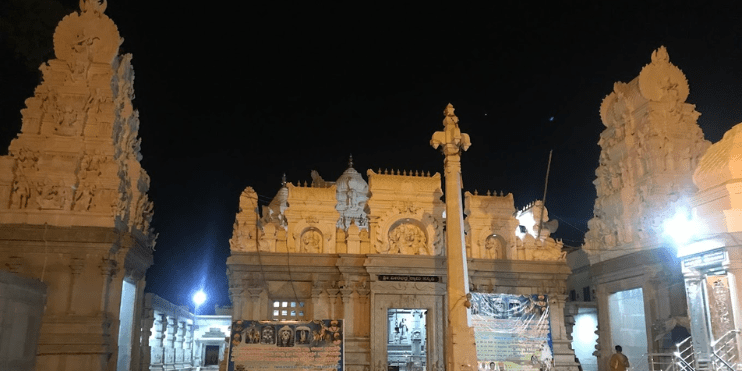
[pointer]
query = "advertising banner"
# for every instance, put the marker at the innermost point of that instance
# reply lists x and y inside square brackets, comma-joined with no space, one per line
[291,345]
[512,332]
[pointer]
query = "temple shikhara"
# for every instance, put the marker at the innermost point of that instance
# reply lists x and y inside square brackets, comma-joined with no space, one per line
[74,212]
[376,270]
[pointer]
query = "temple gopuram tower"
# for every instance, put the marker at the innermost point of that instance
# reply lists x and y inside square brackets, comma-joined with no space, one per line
[74,211]
[649,149]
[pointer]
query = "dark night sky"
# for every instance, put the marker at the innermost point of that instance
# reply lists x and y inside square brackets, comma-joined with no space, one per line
[231,96]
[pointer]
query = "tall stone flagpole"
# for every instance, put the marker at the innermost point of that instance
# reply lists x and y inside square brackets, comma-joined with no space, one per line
[460,347]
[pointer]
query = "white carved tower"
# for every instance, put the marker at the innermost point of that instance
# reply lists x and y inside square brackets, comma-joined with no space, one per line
[74,212]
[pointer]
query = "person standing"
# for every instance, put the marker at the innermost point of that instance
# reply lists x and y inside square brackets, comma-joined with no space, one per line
[619,362]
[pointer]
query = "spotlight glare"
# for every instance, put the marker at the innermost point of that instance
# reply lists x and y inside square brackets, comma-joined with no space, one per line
[199,298]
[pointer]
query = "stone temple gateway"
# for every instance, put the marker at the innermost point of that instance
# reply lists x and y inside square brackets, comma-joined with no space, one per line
[373,254]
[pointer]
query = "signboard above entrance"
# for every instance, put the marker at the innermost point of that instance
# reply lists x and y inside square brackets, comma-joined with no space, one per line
[389,277]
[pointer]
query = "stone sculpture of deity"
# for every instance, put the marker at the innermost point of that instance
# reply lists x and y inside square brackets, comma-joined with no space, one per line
[311,241]
[408,239]
[492,247]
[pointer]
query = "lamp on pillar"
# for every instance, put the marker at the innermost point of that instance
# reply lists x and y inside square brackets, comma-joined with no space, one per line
[460,347]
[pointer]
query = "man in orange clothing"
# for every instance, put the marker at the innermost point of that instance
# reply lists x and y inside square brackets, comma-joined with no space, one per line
[618,362]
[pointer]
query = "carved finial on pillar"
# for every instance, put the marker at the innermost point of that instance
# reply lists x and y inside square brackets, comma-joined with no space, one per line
[476,193]
[93,5]
[283,180]
[350,161]
[452,139]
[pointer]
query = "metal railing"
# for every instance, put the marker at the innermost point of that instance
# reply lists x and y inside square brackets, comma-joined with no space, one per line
[724,354]
[685,359]
[661,362]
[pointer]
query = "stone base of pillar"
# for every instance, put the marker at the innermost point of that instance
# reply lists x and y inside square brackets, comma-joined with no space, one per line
[564,356]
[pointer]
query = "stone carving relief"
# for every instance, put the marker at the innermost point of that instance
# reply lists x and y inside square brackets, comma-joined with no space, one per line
[493,247]
[408,239]
[352,194]
[407,227]
[549,249]
[53,196]
[720,305]
[311,241]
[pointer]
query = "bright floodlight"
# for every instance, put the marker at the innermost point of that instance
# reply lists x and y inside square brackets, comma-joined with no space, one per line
[680,228]
[199,298]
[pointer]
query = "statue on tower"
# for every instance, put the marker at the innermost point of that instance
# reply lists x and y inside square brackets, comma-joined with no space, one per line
[452,135]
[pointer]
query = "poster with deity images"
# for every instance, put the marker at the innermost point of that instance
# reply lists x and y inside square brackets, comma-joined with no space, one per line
[291,345]
[512,332]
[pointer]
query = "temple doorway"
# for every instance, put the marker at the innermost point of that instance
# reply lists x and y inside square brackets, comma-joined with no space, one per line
[407,343]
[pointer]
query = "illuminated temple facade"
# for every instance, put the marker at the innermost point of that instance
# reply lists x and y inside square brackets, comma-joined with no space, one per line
[349,249]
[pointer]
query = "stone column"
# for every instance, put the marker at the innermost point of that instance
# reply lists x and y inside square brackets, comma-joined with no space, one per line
[317,307]
[107,270]
[158,350]
[236,294]
[332,295]
[76,266]
[179,339]
[697,314]
[348,312]
[603,349]
[170,343]
[148,320]
[364,327]
[256,303]
[564,356]
[188,352]
[460,347]
[651,311]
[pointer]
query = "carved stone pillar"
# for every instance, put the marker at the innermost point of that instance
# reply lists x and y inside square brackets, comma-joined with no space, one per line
[564,356]
[158,348]
[460,347]
[603,347]
[332,295]
[349,312]
[317,293]
[170,342]
[148,321]
[76,266]
[697,314]
[364,311]
[179,339]
[189,345]
[235,293]
[256,303]
[107,270]
[650,297]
